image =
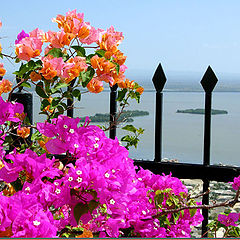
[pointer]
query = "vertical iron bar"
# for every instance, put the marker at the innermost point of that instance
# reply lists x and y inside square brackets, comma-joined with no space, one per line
[113,110]
[206,157]
[159,80]
[158,127]
[26,99]
[70,101]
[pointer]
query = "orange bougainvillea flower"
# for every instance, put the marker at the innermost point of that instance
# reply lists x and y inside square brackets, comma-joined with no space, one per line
[102,65]
[43,142]
[77,65]
[29,47]
[48,71]
[140,90]
[5,86]
[95,86]
[86,234]
[2,70]
[23,132]
[126,84]
[58,39]
[47,109]
[35,76]
[6,233]
[110,40]
[1,164]
[119,57]
[9,190]
[83,32]
[71,23]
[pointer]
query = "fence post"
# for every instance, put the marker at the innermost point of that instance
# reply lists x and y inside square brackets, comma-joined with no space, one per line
[26,99]
[69,100]
[113,110]
[208,82]
[159,80]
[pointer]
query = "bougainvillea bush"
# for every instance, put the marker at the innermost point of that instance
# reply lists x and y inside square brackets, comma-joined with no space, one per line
[69,179]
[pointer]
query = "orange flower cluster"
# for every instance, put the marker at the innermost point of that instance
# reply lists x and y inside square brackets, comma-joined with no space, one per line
[78,65]
[23,132]
[2,70]
[48,71]
[42,143]
[35,76]
[9,190]
[6,233]
[58,39]
[95,86]
[86,234]
[47,109]
[5,86]
[131,85]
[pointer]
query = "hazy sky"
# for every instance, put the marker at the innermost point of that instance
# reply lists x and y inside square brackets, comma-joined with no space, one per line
[184,35]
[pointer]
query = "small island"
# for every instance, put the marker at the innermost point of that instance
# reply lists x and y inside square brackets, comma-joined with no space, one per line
[202,111]
[126,116]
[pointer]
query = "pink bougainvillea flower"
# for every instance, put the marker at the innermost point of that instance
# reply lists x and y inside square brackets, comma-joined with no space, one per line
[2,70]
[58,39]
[236,183]
[21,36]
[10,111]
[110,39]
[71,23]
[29,48]
[229,220]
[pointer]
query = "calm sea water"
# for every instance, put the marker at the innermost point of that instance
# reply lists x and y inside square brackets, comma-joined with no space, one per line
[182,133]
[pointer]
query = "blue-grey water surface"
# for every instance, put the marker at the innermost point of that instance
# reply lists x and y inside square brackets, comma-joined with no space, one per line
[182,133]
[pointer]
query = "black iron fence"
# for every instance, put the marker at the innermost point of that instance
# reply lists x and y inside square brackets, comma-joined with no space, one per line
[205,171]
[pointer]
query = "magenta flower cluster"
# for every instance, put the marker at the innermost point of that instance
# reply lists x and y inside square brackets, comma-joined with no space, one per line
[99,187]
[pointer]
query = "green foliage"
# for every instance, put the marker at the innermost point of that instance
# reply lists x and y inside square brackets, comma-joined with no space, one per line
[121,94]
[80,51]
[55,52]
[25,69]
[132,140]
[26,84]
[100,53]
[87,76]
[40,90]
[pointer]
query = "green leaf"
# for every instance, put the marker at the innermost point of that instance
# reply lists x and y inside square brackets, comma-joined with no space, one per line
[130,128]
[158,199]
[117,67]
[100,53]
[92,205]
[88,58]
[79,210]
[64,105]
[55,52]
[44,104]
[36,136]
[121,94]
[77,94]
[140,130]
[38,64]
[80,51]
[87,76]
[60,109]
[192,212]
[55,101]
[61,85]
[26,84]
[40,90]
